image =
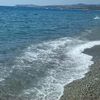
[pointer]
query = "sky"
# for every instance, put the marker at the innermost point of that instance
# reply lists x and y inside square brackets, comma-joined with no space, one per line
[47,2]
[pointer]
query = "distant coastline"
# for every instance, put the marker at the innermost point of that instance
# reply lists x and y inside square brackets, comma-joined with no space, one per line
[65,7]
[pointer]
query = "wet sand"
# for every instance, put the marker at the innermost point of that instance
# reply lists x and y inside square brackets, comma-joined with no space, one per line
[87,88]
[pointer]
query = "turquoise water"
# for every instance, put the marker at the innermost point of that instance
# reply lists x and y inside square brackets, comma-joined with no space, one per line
[36,50]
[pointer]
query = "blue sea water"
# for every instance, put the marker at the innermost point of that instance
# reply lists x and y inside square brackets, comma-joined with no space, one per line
[41,50]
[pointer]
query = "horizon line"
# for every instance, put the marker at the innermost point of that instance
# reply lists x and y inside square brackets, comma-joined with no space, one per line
[55,4]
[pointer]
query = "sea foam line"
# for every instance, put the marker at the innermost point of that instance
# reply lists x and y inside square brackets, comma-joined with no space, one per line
[56,80]
[77,55]
[81,61]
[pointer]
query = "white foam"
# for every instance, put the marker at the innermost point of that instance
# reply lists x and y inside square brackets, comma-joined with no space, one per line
[83,60]
[68,59]
[80,58]
[4,72]
[97,17]
[2,79]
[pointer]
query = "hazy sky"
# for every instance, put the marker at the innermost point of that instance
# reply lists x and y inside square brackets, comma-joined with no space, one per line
[46,2]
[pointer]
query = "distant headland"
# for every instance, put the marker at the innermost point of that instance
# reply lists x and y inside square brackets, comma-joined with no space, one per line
[65,7]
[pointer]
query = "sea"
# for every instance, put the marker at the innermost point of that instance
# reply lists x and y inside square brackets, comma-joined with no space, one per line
[41,50]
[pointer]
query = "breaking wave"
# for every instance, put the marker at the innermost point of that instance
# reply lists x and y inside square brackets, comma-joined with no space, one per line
[51,65]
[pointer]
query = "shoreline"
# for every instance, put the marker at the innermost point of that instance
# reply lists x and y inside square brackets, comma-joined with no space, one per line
[86,88]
